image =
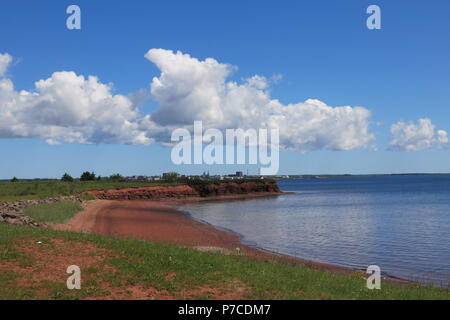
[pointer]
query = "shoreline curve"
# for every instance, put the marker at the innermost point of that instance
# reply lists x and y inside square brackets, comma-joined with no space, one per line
[165,221]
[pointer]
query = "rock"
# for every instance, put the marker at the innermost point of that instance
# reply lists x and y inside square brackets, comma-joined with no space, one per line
[19,219]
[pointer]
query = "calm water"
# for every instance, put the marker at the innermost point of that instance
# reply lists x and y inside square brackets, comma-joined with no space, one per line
[400,223]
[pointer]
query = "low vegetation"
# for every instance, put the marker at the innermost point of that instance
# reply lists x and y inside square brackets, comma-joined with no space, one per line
[33,264]
[34,189]
[57,212]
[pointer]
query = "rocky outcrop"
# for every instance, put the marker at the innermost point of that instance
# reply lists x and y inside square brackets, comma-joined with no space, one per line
[231,188]
[11,212]
[19,219]
[150,193]
[185,191]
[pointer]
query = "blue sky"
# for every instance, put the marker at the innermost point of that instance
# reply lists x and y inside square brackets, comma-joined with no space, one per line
[322,49]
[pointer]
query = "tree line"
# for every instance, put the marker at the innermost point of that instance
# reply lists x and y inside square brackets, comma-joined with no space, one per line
[90,176]
[86,176]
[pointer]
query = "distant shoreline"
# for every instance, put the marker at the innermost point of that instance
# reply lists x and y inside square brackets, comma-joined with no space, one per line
[315,176]
[296,176]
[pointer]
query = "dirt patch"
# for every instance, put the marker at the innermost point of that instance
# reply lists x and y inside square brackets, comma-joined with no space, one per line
[45,275]
[84,221]
[170,276]
[49,261]
[235,290]
[213,250]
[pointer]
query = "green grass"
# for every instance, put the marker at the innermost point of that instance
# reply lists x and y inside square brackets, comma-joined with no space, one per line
[57,212]
[146,264]
[12,191]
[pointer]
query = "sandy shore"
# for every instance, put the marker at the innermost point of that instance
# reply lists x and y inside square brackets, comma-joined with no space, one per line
[161,221]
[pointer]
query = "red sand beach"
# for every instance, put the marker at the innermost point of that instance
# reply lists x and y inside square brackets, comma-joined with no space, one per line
[161,221]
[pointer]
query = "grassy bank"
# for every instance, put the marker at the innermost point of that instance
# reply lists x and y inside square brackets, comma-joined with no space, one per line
[12,191]
[57,212]
[35,189]
[33,265]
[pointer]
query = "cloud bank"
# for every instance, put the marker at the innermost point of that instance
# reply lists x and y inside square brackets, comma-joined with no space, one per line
[416,136]
[72,108]
[189,89]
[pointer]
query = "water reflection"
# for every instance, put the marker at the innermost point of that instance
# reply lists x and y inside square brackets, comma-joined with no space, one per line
[400,223]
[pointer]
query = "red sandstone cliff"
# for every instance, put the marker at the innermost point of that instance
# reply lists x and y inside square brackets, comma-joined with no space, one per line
[185,191]
[230,188]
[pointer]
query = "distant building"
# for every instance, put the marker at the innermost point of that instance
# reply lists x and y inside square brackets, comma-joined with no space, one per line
[239,174]
[137,178]
[170,175]
[216,177]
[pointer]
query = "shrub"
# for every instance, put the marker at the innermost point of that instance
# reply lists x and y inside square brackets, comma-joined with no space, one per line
[117,177]
[171,176]
[67,178]
[87,176]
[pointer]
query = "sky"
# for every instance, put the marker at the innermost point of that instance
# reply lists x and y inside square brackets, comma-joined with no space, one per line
[106,98]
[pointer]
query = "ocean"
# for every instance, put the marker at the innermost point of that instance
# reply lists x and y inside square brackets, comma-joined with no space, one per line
[400,223]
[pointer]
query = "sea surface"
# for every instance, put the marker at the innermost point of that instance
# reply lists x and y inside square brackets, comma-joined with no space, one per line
[400,223]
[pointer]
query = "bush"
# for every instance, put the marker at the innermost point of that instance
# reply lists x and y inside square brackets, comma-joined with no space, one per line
[171,176]
[117,177]
[87,176]
[14,179]
[67,178]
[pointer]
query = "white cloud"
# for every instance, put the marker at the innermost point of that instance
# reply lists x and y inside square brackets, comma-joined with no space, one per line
[277,77]
[189,89]
[52,142]
[5,61]
[416,137]
[72,108]
[442,136]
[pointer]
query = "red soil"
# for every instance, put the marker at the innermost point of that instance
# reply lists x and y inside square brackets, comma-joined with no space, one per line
[160,221]
[51,258]
[185,191]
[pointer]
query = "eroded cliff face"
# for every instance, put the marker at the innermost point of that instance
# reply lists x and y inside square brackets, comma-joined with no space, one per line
[151,193]
[185,191]
[231,188]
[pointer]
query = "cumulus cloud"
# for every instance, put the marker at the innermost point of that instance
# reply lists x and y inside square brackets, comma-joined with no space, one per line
[5,61]
[189,89]
[73,108]
[442,136]
[52,142]
[70,108]
[416,136]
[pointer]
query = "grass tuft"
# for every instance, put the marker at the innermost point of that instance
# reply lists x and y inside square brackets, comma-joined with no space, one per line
[57,212]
